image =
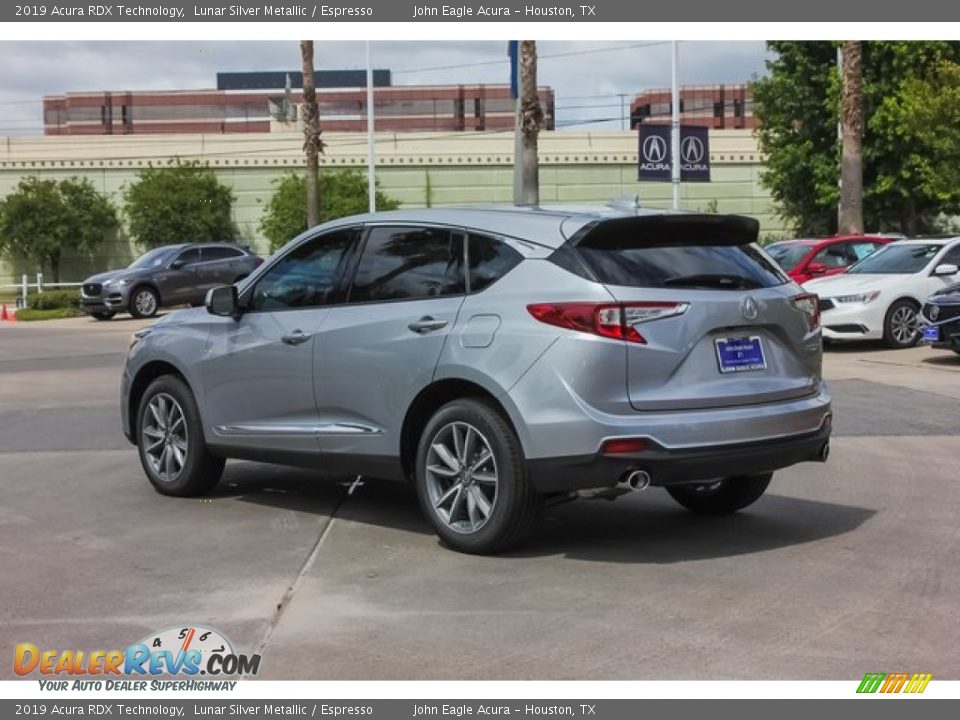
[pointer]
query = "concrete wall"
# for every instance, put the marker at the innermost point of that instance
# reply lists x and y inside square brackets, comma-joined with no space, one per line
[462,168]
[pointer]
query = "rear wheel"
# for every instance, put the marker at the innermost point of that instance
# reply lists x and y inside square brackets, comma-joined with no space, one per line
[170,440]
[901,326]
[472,481]
[723,496]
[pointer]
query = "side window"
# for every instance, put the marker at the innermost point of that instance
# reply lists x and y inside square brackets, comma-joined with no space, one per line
[860,250]
[308,276]
[489,260]
[220,253]
[834,256]
[407,263]
[951,256]
[190,256]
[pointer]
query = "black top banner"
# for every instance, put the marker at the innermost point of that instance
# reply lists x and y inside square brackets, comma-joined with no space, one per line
[655,157]
[496,11]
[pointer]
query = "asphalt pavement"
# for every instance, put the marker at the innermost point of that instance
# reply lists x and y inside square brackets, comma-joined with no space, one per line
[840,569]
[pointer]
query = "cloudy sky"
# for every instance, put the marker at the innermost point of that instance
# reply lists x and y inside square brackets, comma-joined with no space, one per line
[587,76]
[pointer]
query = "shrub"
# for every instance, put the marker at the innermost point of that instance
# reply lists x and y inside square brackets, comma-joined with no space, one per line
[54,300]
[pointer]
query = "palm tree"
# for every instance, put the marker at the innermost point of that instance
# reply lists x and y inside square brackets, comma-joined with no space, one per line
[530,120]
[312,144]
[851,119]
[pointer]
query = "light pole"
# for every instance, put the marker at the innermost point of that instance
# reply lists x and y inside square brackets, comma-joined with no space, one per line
[675,125]
[371,149]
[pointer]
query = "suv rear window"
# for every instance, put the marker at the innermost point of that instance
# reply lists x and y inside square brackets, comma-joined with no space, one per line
[735,267]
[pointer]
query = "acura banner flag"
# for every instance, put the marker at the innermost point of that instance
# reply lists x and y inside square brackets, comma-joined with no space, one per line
[654,156]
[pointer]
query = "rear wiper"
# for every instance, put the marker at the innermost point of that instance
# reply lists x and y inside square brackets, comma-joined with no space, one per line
[724,282]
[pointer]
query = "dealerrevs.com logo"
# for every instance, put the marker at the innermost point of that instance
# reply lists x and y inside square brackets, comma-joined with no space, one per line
[190,650]
[898,682]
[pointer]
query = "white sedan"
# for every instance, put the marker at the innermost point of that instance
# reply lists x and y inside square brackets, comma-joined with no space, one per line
[881,296]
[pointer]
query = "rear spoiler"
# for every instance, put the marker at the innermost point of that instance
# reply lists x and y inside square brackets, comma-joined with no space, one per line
[658,230]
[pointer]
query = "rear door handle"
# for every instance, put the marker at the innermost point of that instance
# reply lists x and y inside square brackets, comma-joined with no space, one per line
[427,324]
[295,338]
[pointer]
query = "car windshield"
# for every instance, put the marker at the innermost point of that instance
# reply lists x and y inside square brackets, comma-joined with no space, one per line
[788,255]
[897,259]
[151,259]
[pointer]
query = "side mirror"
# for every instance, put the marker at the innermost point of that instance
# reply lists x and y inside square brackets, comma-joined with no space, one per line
[946,269]
[223,301]
[815,268]
[177,264]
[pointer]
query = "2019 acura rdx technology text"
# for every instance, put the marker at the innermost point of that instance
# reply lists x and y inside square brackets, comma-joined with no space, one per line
[496,358]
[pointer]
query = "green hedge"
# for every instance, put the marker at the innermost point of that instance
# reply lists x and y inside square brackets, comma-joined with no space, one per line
[54,300]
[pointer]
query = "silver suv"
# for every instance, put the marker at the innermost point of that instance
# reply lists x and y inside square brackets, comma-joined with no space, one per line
[497,359]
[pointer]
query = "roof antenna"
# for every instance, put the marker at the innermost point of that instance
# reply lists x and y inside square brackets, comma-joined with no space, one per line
[625,202]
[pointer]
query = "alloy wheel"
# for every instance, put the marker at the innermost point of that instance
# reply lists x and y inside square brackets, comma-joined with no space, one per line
[462,477]
[145,302]
[904,325]
[165,437]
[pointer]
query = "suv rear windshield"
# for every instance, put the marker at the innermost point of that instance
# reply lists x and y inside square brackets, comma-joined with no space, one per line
[648,265]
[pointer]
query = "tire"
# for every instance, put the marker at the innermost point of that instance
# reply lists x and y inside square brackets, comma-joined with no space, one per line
[198,470]
[102,315]
[144,302]
[500,483]
[723,497]
[896,323]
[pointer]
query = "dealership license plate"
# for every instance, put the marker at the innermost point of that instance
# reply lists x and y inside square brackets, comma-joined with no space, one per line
[740,354]
[931,334]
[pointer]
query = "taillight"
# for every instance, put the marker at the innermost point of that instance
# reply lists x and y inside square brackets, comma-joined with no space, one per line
[612,320]
[809,305]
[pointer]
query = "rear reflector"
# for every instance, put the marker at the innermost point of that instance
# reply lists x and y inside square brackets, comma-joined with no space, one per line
[611,320]
[622,446]
[809,305]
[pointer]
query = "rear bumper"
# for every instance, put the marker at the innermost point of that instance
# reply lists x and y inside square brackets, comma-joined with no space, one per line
[670,467]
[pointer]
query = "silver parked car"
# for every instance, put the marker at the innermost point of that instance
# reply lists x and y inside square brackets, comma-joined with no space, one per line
[496,358]
[166,276]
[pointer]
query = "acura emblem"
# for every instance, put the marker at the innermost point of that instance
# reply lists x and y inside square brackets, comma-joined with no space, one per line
[934,312]
[655,149]
[749,308]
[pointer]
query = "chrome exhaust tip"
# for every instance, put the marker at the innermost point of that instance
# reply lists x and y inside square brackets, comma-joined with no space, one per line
[639,480]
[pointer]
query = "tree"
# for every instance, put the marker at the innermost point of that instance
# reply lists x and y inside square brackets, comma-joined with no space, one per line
[851,159]
[312,144]
[42,219]
[530,120]
[930,112]
[344,193]
[798,107]
[183,202]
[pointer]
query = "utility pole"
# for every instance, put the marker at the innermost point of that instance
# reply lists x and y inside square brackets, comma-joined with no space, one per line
[371,148]
[675,125]
[623,117]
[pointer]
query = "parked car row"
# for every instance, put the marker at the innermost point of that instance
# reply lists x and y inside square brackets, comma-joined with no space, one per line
[165,277]
[872,288]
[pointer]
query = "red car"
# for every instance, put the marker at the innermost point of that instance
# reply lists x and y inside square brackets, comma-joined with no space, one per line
[808,258]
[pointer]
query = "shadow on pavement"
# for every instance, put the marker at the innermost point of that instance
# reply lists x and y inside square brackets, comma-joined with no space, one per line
[944,358]
[645,528]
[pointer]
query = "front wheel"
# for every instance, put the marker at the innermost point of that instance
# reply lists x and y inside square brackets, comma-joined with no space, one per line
[901,326]
[723,496]
[472,480]
[144,302]
[170,440]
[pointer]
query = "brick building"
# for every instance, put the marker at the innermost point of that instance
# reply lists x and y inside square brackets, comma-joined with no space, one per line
[258,102]
[721,107]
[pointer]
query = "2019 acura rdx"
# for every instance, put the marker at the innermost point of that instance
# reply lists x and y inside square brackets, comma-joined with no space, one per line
[495,357]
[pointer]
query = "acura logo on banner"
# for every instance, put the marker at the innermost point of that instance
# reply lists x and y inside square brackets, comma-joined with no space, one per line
[655,153]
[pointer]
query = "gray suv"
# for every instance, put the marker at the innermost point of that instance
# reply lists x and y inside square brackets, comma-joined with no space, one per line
[166,276]
[497,359]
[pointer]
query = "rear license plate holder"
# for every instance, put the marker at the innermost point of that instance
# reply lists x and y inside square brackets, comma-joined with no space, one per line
[740,354]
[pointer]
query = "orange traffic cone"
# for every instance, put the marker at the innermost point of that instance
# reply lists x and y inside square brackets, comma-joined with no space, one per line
[3,314]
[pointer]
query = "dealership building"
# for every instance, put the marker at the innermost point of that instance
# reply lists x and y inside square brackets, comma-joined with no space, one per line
[262,102]
[418,169]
